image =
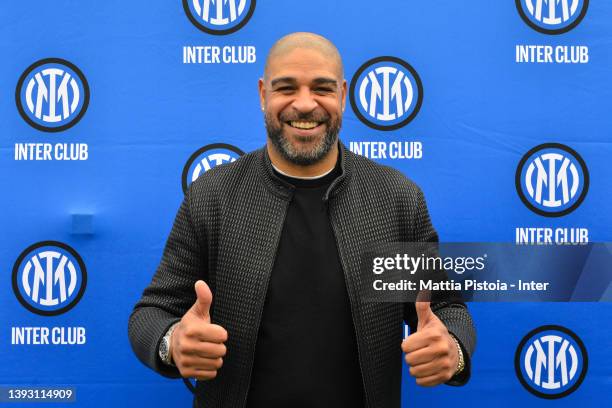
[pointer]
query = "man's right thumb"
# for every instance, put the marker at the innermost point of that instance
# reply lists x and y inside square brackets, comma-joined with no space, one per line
[204,299]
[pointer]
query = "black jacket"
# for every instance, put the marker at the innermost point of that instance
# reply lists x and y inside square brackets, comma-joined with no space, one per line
[226,232]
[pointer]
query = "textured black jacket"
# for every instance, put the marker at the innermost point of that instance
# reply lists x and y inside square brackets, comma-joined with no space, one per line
[226,232]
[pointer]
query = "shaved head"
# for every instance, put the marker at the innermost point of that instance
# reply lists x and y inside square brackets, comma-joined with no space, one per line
[305,40]
[303,94]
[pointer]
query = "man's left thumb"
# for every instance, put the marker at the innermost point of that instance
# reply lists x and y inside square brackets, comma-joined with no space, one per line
[424,313]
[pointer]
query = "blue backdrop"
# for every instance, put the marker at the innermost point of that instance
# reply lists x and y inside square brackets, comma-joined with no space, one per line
[485,104]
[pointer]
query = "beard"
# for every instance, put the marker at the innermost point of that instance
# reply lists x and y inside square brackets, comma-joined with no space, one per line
[311,151]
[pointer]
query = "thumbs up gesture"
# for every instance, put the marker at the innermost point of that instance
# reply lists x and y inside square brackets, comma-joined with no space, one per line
[431,352]
[196,345]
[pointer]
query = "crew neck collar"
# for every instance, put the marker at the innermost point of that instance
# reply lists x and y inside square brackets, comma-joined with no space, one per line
[311,181]
[282,173]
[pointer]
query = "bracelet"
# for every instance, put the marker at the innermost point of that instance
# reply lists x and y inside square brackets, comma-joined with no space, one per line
[461,360]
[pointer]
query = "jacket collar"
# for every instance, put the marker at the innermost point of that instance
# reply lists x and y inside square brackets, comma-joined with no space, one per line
[283,189]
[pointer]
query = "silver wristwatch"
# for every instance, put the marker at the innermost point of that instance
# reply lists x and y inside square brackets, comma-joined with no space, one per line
[164,346]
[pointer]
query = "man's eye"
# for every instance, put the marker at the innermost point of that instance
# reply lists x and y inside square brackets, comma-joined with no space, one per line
[323,90]
[284,89]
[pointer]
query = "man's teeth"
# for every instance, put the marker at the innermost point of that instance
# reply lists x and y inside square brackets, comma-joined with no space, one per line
[303,125]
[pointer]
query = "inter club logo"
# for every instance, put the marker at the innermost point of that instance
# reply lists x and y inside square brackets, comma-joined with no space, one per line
[219,17]
[551,362]
[386,93]
[552,179]
[552,16]
[49,278]
[52,95]
[207,157]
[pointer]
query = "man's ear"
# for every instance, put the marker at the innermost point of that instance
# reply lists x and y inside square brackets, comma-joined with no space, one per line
[262,93]
[343,94]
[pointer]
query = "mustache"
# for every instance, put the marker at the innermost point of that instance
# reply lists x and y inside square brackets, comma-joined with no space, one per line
[307,117]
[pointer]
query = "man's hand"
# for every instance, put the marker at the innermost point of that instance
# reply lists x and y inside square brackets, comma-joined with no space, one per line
[197,345]
[431,352]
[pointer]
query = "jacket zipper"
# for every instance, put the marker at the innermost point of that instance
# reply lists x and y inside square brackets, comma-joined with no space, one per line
[279,233]
[351,302]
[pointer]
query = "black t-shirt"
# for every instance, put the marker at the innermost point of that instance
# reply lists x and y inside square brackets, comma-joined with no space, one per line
[306,352]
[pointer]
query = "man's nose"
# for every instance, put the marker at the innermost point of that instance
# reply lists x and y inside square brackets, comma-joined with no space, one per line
[304,101]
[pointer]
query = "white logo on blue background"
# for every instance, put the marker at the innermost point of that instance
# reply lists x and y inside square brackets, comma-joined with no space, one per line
[206,158]
[551,362]
[552,179]
[552,16]
[219,16]
[386,93]
[52,95]
[49,278]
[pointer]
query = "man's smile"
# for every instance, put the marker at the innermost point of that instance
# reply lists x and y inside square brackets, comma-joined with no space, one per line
[304,128]
[300,124]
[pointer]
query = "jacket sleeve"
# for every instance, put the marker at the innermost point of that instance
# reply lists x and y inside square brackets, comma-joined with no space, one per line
[171,291]
[454,314]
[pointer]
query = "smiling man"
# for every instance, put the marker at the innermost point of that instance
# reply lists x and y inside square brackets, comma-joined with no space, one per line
[257,293]
[303,94]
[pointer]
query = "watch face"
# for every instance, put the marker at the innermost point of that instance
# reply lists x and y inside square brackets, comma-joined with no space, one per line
[163,349]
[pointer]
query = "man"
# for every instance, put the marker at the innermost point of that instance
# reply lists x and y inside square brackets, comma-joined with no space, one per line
[257,296]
